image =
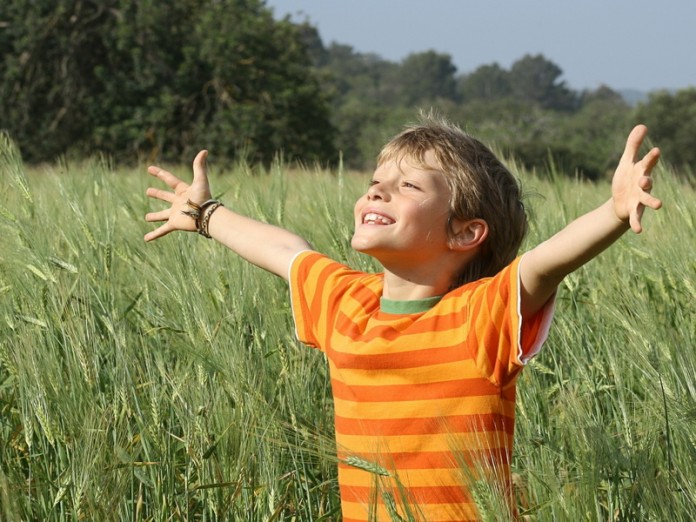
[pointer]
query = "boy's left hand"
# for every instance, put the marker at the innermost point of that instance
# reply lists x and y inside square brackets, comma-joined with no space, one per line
[631,185]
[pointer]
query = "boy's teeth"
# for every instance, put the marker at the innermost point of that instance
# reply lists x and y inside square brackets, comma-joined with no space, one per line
[377,218]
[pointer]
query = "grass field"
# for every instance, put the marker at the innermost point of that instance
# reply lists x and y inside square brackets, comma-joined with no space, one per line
[163,381]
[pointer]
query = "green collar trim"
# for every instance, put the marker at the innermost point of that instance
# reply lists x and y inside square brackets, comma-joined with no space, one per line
[415,306]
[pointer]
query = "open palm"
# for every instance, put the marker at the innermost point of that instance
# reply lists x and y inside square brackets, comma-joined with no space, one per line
[632,181]
[197,192]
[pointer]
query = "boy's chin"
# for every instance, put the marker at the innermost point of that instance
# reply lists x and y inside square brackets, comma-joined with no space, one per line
[375,253]
[360,244]
[357,246]
[361,247]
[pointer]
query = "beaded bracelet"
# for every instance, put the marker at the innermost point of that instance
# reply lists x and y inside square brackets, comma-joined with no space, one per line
[206,211]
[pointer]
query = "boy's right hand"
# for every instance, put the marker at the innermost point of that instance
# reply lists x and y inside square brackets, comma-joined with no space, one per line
[197,192]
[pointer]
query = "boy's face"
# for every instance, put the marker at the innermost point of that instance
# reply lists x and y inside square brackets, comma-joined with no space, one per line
[404,213]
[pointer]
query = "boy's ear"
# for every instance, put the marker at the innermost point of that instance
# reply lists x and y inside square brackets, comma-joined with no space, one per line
[469,234]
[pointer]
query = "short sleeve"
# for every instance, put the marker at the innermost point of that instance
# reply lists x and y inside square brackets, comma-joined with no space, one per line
[317,284]
[501,341]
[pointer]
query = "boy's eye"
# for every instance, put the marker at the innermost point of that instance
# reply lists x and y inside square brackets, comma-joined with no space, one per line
[406,184]
[372,182]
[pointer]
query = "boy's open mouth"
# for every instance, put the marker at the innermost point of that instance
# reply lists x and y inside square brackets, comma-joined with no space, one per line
[372,218]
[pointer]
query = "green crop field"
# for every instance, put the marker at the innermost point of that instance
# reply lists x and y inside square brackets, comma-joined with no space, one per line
[163,381]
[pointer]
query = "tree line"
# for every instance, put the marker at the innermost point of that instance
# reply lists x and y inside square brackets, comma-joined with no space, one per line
[152,80]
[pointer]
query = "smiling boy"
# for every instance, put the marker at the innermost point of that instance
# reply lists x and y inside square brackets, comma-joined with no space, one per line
[424,356]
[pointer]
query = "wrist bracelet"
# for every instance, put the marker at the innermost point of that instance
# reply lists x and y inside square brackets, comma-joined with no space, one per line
[206,211]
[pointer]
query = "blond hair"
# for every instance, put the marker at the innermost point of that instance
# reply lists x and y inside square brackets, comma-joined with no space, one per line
[481,188]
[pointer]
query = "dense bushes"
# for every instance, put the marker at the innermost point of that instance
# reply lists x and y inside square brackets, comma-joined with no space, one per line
[152,80]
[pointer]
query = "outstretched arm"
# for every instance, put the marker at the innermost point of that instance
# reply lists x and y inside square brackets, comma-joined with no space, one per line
[269,247]
[544,267]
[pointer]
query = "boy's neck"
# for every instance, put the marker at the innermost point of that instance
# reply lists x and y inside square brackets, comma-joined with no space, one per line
[406,279]
[408,286]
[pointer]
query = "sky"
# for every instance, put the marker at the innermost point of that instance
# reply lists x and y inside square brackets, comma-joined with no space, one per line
[625,44]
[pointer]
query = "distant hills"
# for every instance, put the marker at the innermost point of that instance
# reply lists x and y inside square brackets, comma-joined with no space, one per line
[633,96]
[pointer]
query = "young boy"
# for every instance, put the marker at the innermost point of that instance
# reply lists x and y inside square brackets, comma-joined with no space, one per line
[424,356]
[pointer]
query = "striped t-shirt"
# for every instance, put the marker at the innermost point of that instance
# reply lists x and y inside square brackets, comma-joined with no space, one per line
[424,394]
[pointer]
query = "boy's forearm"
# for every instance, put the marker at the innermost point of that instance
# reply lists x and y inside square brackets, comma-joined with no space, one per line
[578,242]
[545,266]
[267,246]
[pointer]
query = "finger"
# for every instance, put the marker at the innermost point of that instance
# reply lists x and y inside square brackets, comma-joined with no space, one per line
[158,232]
[645,183]
[650,159]
[163,195]
[635,219]
[633,143]
[200,170]
[651,201]
[170,179]
[162,215]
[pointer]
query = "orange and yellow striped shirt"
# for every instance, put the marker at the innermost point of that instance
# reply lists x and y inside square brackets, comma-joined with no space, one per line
[424,391]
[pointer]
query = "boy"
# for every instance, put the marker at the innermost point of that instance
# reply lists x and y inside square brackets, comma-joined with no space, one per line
[424,356]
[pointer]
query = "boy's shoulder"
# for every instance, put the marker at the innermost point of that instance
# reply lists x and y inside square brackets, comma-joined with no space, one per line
[310,264]
[508,274]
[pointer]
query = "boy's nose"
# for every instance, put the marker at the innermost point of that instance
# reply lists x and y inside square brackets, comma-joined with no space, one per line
[375,192]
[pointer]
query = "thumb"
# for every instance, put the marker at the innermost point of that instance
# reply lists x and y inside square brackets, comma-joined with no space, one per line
[633,143]
[200,170]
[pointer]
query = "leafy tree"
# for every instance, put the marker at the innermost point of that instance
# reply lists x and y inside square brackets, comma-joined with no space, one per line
[363,76]
[536,79]
[261,94]
[48,52]
[315,47]
[487,82]
[142,77]
[585,142]
[372,97]
[671,118]
[147,92]
[364,90]
[596,132]
[602,93]
[427,76]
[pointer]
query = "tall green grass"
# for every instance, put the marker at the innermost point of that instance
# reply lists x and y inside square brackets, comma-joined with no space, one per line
[163,382]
